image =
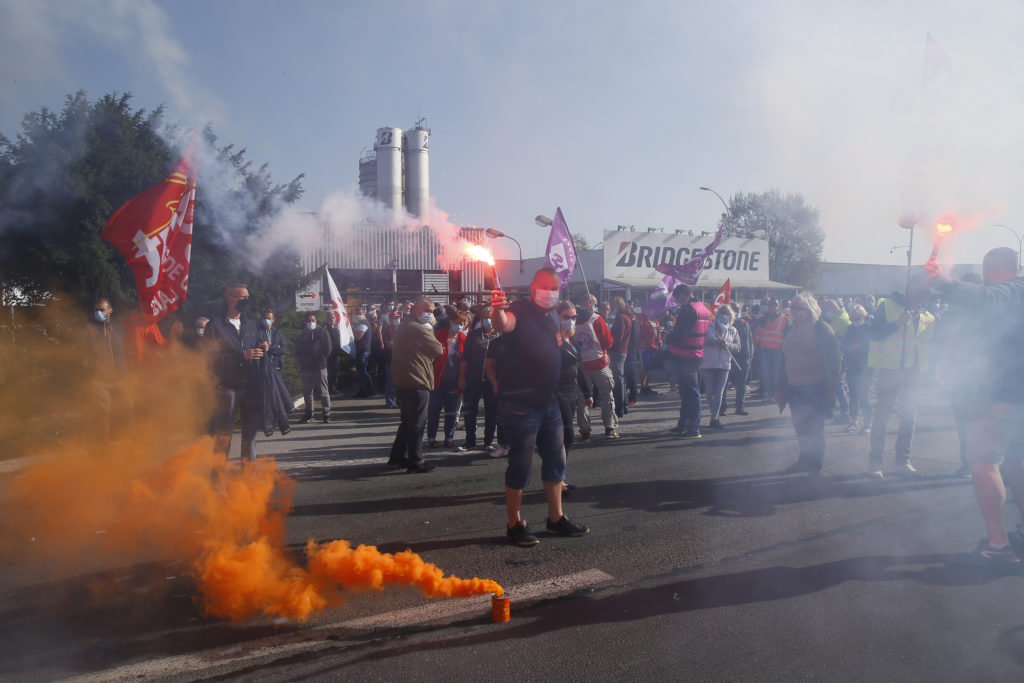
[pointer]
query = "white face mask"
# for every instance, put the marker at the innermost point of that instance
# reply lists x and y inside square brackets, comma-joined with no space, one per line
[456,329]
[568,325]
[310,326]
[425,318]
[100,316]
[546,299]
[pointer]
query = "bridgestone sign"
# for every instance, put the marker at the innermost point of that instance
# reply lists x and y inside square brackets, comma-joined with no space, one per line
[635,255]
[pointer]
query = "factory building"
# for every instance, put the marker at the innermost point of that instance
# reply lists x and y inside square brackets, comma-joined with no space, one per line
[397,171]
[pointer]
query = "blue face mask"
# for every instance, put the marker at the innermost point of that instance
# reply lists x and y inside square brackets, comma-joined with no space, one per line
[456,329]
[267,322]
[100,316]
[568,325]
[487,324]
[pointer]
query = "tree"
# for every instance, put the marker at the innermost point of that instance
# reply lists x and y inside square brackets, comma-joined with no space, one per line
[791,226]
[65,174]
[580,242]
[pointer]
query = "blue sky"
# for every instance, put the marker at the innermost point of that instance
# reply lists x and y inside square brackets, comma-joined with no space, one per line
[616,112]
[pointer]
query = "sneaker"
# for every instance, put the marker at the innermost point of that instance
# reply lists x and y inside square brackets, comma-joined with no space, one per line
[716,424]
[987,556]
[741,411]
[304,419]
[421,469]
[676,431]
[852,427]
[488,447]
[520,535]
[433,443]
[584,436]
[690,435]
[563,527]
[611,433]
[964,472]
[448,443]
[469,446]
[866,429]
[906,468]
[326,419]
[499,452]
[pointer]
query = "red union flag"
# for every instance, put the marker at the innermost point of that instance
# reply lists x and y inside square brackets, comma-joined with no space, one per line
[723,297]
[154,232]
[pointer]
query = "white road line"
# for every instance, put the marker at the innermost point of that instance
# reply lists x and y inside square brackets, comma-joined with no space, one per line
[444,610]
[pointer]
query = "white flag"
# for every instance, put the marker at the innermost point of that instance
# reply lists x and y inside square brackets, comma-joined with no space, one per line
[340,317]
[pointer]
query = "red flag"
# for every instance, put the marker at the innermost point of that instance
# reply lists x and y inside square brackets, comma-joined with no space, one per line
[723,297]
[154,232]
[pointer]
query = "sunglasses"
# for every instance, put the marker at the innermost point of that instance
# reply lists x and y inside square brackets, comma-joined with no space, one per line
[568,317]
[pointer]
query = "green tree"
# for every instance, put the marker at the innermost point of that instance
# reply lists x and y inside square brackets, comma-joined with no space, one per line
[65,174]
[581,242]
[791,226]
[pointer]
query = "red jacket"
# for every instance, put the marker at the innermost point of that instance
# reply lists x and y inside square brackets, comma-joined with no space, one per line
[439,362]
[593,338]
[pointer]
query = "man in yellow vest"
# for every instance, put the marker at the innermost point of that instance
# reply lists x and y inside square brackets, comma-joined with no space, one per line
[900,335]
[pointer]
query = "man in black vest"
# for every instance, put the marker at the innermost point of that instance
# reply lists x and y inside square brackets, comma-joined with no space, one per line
[529,414]
[234,344]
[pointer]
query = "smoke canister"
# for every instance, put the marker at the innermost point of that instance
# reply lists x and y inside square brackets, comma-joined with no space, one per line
[501,609]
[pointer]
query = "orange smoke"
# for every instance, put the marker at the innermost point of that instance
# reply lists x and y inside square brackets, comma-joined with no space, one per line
[158,491]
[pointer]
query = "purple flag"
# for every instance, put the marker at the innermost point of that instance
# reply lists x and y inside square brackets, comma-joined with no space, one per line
[661,298]
[690,271]
[561,252]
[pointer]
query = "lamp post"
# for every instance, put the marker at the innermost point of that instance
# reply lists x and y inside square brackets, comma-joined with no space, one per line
[545,222]
[724,205]
[1020,242]
[494,233]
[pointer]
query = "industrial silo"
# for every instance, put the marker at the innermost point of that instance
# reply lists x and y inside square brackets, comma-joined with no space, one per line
[389,167]
[368,174]
[416,149]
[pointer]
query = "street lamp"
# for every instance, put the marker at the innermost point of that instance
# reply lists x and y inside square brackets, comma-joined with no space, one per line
[494,233]
[1020,241]
[724,205]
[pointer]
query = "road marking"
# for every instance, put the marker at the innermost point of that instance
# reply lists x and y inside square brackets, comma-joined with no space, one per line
[276,646]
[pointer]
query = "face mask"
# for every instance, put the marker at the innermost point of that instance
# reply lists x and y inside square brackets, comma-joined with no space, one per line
[425,318]
[267,322]
[568,325]
[200,331]
[100,316]
[487,324]
[723,320]
[310,326]
[389,308]
[456,329]
[242,304]
[546,299]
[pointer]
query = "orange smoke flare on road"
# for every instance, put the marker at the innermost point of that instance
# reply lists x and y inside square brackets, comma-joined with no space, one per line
[158,491]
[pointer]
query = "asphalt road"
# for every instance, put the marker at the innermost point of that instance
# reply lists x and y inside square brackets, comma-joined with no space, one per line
[704,562]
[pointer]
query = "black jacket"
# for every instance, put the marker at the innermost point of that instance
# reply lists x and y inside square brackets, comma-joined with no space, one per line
[312,348]
[226,345]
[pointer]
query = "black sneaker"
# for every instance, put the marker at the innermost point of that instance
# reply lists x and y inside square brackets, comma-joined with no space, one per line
[716,424]
[987,556]
[741,411]
[563,527]
[520,535]
[421,469]
[304,419]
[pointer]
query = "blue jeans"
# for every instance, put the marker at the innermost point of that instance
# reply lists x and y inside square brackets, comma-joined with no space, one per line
[844,401]
[807,404]
[617,361]
[525,428]
[249,399]
[770,359]
[714,384]
[471,406]
[687,375]
[446,397]
[363,373]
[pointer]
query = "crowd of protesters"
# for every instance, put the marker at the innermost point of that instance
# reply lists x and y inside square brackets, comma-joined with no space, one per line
[541,367]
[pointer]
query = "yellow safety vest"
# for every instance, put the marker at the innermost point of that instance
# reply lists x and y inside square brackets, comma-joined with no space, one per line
[885,353]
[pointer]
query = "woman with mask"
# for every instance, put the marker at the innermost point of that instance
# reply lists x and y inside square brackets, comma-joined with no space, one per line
[808,373]
[571,378]
[277,401]
[446,380]
[855,346]
[721,343]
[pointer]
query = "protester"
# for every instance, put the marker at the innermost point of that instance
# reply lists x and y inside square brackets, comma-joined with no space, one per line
[621,329]
[808,371]
[234,343]
[594,339]
[445,393]
[528,377]
[685,346]
[768,339]
[107,361]
[376,367]
[900,335]
[839,320]
[495,353]
[996,437]
[412,371]
[740,371]
[650,342]
[388,340]
[362,336]
[720,344]
[277,401]
[312,347]
[474,384]
[194,338]
[855,345]
[571,379]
